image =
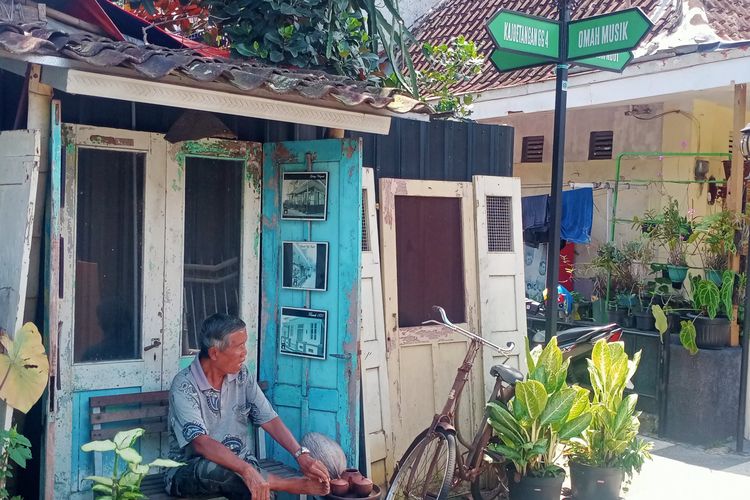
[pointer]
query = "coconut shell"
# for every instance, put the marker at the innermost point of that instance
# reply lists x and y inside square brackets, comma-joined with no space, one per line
[326,450]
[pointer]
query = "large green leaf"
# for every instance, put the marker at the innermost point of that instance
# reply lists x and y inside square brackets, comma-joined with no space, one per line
[501,420]
[600,357]
[105,445]
[164,462]
[24,368]
[581,403]
[130,455]
[532,396]
[574,428]
[687,336]
[530,360]
[558,406]
[727,289]
[126,439]
[511,454]
[625,411]
[550,359]
[706,295]
[106,481]
[660,318]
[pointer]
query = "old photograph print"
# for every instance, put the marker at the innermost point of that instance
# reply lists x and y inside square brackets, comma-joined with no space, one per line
[304,265]
[304,195]
[303,332]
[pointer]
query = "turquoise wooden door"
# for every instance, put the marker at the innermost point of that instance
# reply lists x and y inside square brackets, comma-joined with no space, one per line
[310,308]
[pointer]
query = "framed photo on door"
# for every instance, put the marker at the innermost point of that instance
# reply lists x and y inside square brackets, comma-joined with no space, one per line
[304,265]
[304,196]
[303,332]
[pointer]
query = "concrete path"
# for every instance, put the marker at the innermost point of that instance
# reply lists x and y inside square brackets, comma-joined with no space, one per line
[690,473]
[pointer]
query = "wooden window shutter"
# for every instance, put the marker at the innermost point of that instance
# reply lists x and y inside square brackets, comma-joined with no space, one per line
[600,145]
[532,149]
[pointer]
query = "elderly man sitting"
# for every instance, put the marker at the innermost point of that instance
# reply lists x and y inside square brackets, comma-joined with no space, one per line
[211,404]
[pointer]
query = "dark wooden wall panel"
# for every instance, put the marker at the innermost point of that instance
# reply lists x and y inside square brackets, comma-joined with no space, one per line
[435,150]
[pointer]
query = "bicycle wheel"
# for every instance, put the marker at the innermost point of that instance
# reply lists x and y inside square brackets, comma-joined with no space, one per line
[426,470]
[491,483]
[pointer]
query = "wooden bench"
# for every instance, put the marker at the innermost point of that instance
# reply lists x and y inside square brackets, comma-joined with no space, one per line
[148,410]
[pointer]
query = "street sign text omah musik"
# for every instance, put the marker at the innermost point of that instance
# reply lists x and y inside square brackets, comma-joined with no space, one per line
[527,35]
[599,35]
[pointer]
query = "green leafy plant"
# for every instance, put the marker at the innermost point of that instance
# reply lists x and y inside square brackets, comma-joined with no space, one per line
[707,300]
[449,64]
[16,449]
[544,414]
[339,36]
[670,229]
[125,482]
[715,235]
[611,440]
[24,371]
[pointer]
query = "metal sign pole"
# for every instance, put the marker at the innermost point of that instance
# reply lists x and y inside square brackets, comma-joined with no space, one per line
[558,162]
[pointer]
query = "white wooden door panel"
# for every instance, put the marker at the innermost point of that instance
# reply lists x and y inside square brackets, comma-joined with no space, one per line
[500,270]
[422,359]
[374,365]
[19,173]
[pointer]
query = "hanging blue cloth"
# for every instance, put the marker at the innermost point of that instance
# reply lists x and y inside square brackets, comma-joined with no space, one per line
[577,215]
[535,217]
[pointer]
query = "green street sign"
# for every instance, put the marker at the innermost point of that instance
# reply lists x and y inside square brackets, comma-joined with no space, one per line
[611,62]
[524,34]
[509,61]
[606,34]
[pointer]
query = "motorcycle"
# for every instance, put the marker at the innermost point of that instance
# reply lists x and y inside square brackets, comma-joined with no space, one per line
[575,343]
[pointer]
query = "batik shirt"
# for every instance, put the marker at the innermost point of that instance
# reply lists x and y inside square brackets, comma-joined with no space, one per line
[196,408]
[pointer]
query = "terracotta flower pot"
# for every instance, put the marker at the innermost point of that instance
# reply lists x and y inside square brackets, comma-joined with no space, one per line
[362,486]
[339,487]
[350,475]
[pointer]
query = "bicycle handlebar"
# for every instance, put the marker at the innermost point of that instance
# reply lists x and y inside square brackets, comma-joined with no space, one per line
[446,322]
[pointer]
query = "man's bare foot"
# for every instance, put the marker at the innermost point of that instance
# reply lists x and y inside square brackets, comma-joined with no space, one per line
[298,485]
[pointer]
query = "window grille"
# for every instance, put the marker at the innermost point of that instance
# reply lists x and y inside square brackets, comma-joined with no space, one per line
[532,149]
[600,145]
[499,224]
[365,224]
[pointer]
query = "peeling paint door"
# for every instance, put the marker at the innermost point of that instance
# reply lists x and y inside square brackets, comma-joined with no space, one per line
[19,173]
[111,342]
[213,189]
[500,269]
[374,365]
[428,258]
[310,307]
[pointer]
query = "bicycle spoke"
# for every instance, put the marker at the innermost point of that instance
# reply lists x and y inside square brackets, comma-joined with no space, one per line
[425,471]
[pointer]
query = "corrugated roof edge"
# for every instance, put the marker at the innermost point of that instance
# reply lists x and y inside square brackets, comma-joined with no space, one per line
[103,55]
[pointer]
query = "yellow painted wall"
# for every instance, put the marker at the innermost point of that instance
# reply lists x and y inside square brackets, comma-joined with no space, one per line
[686,126]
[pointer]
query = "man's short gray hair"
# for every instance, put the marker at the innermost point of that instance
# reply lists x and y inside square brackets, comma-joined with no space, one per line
[215,330]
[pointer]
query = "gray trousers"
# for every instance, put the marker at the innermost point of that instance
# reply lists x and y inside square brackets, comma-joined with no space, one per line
[199,477]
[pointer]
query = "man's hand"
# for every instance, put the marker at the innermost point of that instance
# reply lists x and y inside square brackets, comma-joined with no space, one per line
[314,469]
[258,486]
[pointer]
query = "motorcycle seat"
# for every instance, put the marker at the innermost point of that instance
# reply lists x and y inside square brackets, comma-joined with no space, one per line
[507,374]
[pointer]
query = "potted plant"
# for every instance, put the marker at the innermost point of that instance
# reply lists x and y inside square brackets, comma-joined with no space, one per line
[613,278]
[653,291]
[709,326]
[609,449]
[544,414]
[715,234]
[640,254]
[671,230]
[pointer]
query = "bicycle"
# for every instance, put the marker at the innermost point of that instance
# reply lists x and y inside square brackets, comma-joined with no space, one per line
[430,466]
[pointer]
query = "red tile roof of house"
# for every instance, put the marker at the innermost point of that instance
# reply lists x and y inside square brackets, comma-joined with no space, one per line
[728,19]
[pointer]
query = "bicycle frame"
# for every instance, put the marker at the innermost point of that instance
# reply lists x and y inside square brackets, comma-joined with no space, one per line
[446,418]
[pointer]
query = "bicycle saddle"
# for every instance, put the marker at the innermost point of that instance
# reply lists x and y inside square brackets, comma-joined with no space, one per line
[506,374]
